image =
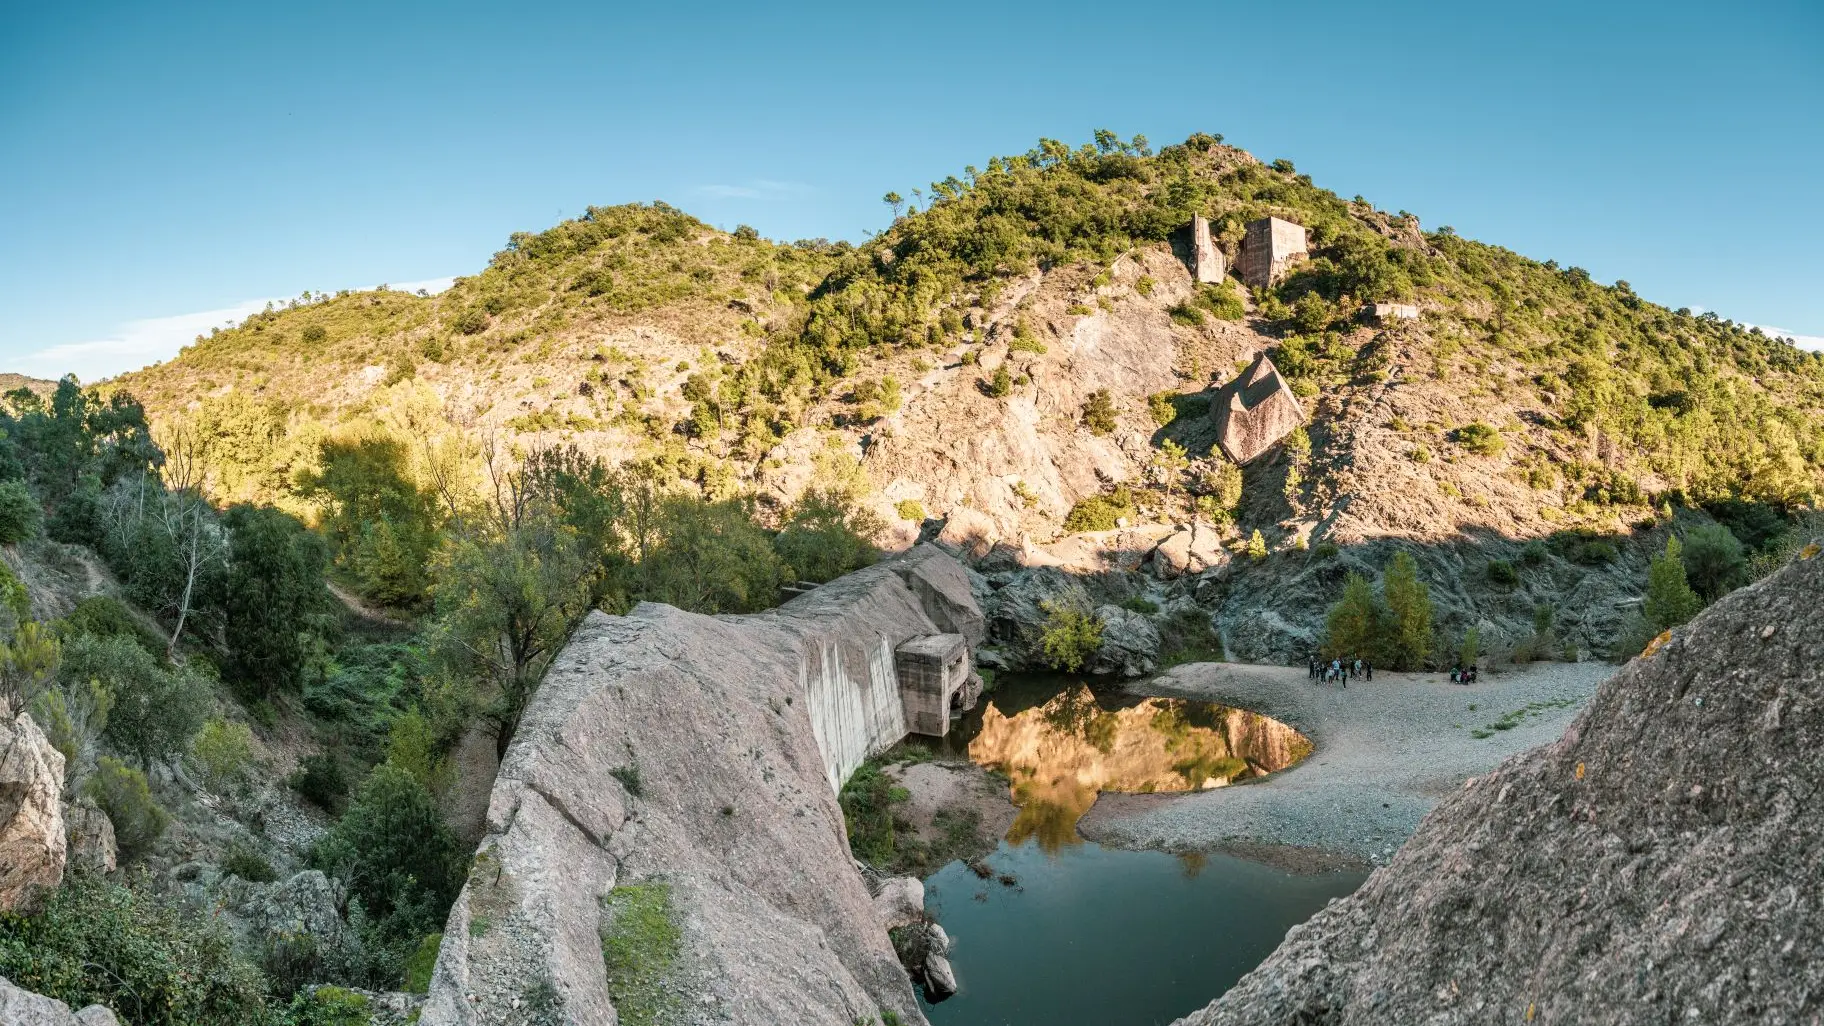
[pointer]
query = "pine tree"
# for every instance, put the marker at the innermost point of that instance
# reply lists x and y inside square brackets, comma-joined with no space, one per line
[1409,612]
[1670,600]
[1354,625]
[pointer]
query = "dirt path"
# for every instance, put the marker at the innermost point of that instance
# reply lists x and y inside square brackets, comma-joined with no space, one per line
[360,608]
[1386,752]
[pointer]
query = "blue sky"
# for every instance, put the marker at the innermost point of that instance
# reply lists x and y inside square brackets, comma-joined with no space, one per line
[164,168]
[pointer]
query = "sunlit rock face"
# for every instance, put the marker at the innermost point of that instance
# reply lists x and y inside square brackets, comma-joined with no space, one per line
[1060,755]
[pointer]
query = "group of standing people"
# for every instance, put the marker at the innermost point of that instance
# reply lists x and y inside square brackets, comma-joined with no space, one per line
[1460,675]
[1337,671]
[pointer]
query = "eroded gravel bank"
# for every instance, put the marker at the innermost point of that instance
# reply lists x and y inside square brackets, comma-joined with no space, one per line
[1386,752]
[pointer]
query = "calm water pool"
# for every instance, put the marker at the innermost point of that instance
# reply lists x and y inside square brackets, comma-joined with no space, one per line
[1105,937]
[1102,936]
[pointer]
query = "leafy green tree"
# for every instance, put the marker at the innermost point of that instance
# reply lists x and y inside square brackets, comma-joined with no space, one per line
[156,711]
[505,601]
[395,852]
[710,557]
[20,515]
[895,201]
[1409,613]
[1356,624]
[827,535]
[274,598]
[381,524]
[1257,546]
[1169,463]
[1669,601]
[1002,383]
[1715,562]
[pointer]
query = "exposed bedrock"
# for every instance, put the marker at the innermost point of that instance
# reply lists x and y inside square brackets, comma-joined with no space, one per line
[1662,862]
[686,765]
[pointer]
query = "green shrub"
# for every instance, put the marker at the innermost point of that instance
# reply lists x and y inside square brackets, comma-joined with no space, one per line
[1715,561]
[1221,302]
[911,510]
[246,862]
[1072,636]
[1409,613]
[154,963]
[222,750]
[1099,412]
[20,515]
[1100,512]
[1160,405]
[321,780]
[1501,572]
[120,791]
[395,852]
[1481,439]
[1001,384]
[1144,285]
[329,1006]
[472,322]
[156,711]
[868,799]
[1534,553]
[1257,546]
[105,616]
[313,334]
[13,594]
[1186,314]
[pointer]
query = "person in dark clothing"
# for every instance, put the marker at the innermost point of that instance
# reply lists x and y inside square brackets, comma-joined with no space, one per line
[1369,667]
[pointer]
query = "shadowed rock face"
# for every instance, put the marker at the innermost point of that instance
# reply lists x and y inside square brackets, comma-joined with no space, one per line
[1661,863]
[676,754]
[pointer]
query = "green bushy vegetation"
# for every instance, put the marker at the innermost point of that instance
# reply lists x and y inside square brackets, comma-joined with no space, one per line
[1072,636]
[1393,628]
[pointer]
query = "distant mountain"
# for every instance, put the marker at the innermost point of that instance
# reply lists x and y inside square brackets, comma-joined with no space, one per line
[8,382]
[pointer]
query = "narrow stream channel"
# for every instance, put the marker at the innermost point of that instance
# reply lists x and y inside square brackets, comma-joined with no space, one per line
[1065,931]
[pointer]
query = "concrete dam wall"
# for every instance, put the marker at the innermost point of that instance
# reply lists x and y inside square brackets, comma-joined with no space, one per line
[693,761]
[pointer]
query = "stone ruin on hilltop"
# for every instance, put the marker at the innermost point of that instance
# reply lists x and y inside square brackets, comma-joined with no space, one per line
[1271,246]
[1255,411]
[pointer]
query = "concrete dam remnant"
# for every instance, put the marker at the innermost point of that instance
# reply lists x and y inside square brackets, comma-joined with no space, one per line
[1254,411]
[1207,263]
[1270,248]
[1387,313]
[697,758]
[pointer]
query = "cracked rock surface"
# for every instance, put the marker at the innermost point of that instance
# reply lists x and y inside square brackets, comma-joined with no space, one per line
[1662,862]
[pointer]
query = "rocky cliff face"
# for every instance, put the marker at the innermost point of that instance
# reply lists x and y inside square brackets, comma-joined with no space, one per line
[663,834]
[32,843]
[1659,863]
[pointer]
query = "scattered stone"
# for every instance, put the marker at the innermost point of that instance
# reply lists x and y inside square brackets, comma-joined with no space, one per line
[20,1007]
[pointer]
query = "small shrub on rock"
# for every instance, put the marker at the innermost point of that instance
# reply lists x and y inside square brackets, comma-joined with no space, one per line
[321,781]
[222,750]
[1099,413]
[1501,572]
[910,509]
[1100,512]
[121,791]
[244,861]
[1481,439]
[1072,636]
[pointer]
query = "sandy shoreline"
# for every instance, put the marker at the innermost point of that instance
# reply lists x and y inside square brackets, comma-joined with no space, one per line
[1386,752]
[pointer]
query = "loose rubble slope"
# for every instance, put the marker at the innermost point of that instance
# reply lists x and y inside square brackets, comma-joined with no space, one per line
[1657,864]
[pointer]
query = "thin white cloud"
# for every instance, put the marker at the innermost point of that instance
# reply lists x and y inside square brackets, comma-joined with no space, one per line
[1815,342]
[137,343]
[759,188]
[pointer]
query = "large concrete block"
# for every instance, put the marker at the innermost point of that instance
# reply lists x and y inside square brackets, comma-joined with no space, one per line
[1270,248]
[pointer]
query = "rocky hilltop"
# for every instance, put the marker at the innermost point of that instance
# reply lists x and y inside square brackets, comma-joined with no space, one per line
[664,839]
[1034,367]
[1657,864]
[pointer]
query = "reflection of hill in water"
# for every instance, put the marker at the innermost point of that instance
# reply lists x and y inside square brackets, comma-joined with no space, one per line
[1060,755]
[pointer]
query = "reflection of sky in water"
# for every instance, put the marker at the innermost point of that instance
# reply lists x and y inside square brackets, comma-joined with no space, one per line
[1105,937]
[1060,753]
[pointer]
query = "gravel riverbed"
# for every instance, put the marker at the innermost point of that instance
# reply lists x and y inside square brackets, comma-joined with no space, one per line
[1386,751]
